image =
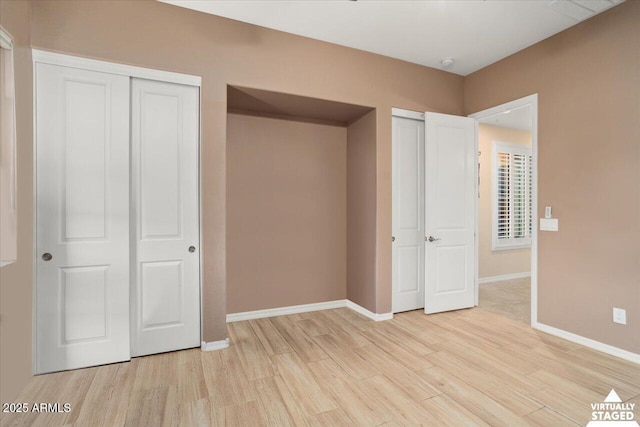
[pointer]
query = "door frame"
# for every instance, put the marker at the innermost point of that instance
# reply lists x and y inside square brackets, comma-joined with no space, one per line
[527,101]
[52,58]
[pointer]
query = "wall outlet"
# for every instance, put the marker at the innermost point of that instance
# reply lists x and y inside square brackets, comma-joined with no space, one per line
[619,316]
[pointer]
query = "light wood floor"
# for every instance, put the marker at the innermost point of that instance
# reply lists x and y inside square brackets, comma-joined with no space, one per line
[335,367]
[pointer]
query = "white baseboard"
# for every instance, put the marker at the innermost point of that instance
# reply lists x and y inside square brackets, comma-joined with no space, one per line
[504,277]
[306,308]
[215,345]
[281,311]
[588,342]
[378,317]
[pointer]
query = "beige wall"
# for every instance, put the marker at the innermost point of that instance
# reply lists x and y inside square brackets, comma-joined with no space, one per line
[228,52]
[496,263]
[286,213]
[588,84]
[16,279]
[361,202]
[587,78]
[223,52]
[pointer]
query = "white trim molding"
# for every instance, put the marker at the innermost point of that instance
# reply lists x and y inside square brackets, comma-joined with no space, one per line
[531,101]
[407,114]
[504,277]
[215,345]
[378,317]
[282,311]
[45,57]
[588,342]
[306,308]
[6,42]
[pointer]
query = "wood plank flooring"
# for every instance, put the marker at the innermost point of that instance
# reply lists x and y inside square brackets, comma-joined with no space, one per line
[337,368]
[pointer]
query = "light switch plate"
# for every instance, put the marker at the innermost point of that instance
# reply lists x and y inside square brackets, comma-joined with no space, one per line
[549,224]
[619,315]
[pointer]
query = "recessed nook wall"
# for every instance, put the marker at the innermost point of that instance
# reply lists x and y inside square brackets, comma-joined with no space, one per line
[361,208]
[294,167]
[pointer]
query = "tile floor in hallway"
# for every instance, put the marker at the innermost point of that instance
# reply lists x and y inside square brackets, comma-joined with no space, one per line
[511,298]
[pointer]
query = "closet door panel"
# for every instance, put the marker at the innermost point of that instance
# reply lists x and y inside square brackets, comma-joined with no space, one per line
[82,218]
[166,290]
[160,167]
[408,214]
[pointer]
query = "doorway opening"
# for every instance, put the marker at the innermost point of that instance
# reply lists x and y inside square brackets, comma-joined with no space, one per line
[507,209]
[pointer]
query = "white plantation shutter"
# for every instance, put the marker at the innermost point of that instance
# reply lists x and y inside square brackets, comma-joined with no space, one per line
[519,196]
[530,191]
[504,198]
[512,196]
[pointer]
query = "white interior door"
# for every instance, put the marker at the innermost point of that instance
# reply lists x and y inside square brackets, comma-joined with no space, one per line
[450,182]
[408,214]
[82,218]
[165,262]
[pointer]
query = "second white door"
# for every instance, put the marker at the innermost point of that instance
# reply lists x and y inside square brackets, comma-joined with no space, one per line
[408,214]
[165,294]
[450,188]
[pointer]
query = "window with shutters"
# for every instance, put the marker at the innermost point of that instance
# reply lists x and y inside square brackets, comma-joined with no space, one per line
[511,196]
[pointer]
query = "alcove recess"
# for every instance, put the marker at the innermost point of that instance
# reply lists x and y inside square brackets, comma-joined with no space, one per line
[301,201]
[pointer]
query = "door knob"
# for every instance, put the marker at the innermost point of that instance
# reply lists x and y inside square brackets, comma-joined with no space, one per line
[47,256]
[192,249]
[393,238]
[433,239]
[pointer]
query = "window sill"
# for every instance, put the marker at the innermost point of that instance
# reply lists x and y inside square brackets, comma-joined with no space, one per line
[510,248]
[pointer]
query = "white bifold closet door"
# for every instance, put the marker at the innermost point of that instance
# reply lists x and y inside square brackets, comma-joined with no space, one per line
[165,259]
[117,218]
[82,218]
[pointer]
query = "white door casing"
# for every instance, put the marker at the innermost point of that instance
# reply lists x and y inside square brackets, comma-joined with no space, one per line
[82,218]
[450,184]
[530,101]
[165,256]
[408,214]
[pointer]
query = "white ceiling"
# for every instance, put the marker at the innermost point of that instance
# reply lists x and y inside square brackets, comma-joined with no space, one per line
[475,33]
